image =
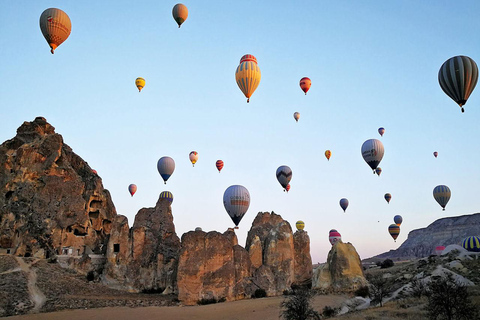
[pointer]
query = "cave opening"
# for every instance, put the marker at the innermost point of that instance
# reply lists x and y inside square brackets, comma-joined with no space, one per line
[116,247]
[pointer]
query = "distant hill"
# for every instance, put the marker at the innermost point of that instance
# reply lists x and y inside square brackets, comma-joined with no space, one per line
[443,232]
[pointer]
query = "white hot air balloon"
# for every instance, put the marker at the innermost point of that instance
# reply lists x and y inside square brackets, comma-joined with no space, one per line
[236,200]
[165,167]
[284,175]
[372,153]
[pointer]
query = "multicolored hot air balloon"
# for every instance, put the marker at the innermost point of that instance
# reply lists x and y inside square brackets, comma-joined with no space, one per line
[180,13]
[219,165]
[344,204]
[372,153]
[296,116]
[284,175]
[442,194]
[140,83]
[472,244]
[378,171]
[328,154]
[435,154]
[300,225]
[288,187]
[248,75]
[394,231]
[388,197]
[166,195]
[55,26]
[305,84]
[193,156]
[439,250]
[165,167]
[398,220]
[132,189]
[236,200]
[381,130]
[458,77]
[334,237]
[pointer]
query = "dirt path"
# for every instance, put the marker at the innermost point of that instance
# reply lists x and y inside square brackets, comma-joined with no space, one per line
[36,295]
[264,309]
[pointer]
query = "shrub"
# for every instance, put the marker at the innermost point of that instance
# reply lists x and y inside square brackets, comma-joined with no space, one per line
[205,301]
[298,306]
[419,288]
[387,263]
[329,312]
[363,292]
[378,289]
[259,293]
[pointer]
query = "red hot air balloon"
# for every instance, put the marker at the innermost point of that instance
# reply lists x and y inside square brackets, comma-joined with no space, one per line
[288,187]
[305,84]
[132,189]
[219,165]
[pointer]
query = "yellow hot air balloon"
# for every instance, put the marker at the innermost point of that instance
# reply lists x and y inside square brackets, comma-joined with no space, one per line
[328,154]
[56,27]
[180,13]
[140,83]
[248,75]
[300,225]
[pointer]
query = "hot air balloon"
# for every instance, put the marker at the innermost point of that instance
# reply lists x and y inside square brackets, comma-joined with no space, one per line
[140,83]
[381,130]
[248,75]
[435,154]
[198,229]
[284,175]
[442,194]
[180,13]
[328,154]
[236,200]
[334,237]
[388,197]
[166,195]
[300,225]
[165,167]
[219,165]
[288,187]
[372,153]
[458,77]
[394,231]
[472,244]
[94,171]
[305,84]
[296,116]
[378,171]
[132,189]
[193,156]
[55,26]
[439,250]
[344,204]
[333,230]
[398,220]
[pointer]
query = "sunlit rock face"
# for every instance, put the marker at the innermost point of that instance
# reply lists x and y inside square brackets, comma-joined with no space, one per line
[51,201]
[342,272]
[303,259]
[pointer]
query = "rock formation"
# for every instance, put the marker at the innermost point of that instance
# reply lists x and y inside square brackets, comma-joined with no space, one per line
[442,232]
[343,270]
[51,201]
[303,259]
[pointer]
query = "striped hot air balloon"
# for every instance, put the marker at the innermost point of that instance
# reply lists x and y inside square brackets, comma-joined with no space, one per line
[236,200]
[388,197]
[166,195]
[305,84]
[300,225]
[132,189]
[372,153]
[458,77]
[219,165]
[442,194]
[284,175]
[344,204]
[55,26]
[334,237]
[472,244]
[165,167]
[394,231]
[439,250]
[140,83]
[248,75]
[180,13]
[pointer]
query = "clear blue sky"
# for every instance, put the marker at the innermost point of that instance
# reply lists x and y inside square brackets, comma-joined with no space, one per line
[372,64]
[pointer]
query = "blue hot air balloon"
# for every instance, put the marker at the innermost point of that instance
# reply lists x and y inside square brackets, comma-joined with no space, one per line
[344,204]
[442,194]
[284,175]
[472,244]
[398,220]
[166,195]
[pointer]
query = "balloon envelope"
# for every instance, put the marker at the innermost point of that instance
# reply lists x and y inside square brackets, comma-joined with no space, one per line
[334,237]
[394,231]
[165,167]
[55,26]
[193,156]
[472,244]
[236,200]
[166,195]
[388,197]
[248,75]
[219,165]
[458,77]
[132,189]
[435,154]
[328,154]
[284,175]
[381,131]
[140,83]
[398,220]
[288,187]
[372,152]
[180,13]
[296,116]
[439,249]
[344,204]
[305,84]
[442,195]
[378,171]
[300,225]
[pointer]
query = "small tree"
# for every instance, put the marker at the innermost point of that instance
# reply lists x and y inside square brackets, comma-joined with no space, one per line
[298,306]
[449,299]
[378,288]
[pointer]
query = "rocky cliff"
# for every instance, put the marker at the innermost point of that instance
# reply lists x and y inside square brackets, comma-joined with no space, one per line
[443,232]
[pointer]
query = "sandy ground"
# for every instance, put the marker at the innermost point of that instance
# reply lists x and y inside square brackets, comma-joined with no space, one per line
[263,309]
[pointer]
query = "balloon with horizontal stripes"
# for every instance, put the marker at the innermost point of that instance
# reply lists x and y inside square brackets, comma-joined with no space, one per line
[132,189]
[442,195]
[394,231]
[55,26]
[165,167]
[372,153]
[248,75]
[439,250]
[180,13]
[305,84]
[236,200]
[167,195]
[344,204]
[140,83]
[219,165]
[300,225]
[458,77]
[284,175]
[472,244]
[334,236]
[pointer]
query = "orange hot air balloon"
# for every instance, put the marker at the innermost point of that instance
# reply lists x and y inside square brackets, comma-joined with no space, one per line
[132,189]
[55,26]
[219,165]
[288,187]
[248,75]
[305,84]
[180,13]
[328,154]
